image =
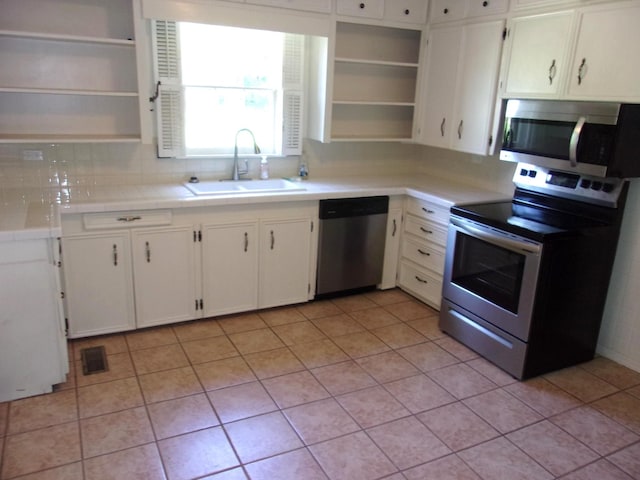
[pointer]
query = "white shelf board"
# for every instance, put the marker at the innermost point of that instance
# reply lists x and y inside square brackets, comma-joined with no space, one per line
[36,138]
[373,104]
[381,63]
[67,38]
[64,91]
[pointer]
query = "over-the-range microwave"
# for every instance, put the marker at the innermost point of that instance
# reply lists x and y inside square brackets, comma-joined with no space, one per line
[593,138]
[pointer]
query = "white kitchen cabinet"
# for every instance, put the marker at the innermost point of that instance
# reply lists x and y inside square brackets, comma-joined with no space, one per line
[361,8]
[72,74]
[459,91]
[164,275]
[391,247]
[409,11]
[229,267]
[321,6]
[284,270]
[33,350]
[538,56]
[98,283]
[454,10]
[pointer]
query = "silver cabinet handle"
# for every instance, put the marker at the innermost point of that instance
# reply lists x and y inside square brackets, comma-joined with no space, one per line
[582,71]
[552,71]
[273,240]
[422,252]
[115,255]
[246,241]
[460,130]
[147,251]
[129,218]
[442,126]
[421,280]
[395,228]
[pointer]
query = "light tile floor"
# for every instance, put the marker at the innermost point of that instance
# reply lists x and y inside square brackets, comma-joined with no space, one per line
[361,387]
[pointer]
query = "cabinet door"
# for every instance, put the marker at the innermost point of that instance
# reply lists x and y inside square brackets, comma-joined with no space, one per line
[448,10]
[606,64]
[538,56]
[323,6]
[391,248]
[284,262]
[478,81]
[230,268]
[440,85]
[164,272]
[410,11]
[361,8]
[98,284]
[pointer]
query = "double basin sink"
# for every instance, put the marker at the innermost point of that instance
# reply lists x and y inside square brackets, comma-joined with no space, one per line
[226,187]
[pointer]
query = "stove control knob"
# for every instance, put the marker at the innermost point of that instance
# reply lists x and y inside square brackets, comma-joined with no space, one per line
[585,183]
[596,186]
[533,173]
[608,187]
[524,172]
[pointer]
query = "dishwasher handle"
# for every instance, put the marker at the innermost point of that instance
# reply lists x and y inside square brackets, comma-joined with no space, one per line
[353,207]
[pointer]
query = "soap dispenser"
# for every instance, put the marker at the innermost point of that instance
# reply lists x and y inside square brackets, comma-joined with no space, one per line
[264,168]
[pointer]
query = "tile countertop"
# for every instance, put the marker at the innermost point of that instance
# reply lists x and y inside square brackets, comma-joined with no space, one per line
[35,213]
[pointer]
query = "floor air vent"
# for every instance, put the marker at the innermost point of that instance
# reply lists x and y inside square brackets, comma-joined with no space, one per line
[94,360]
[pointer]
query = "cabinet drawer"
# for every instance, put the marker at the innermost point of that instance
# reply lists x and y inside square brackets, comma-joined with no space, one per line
[108,220]
[428,210]
[323,6]
[425,285]
[425,254]
[361,8]
[409,11]
[478,8]
[448,10]
[425,230]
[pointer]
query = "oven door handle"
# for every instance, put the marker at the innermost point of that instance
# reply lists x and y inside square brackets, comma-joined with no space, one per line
[496,239]
[575,139]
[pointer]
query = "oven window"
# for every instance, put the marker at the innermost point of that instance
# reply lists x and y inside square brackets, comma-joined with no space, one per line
[491,272]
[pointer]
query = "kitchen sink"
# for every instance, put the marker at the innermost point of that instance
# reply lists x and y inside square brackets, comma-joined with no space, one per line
[226,187]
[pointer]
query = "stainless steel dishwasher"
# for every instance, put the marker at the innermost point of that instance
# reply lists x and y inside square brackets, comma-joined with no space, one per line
[351,244]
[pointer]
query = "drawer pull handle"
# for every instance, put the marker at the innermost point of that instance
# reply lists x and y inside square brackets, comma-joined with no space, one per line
[129,219]
[422,252]
[426,210]
[362,5]
[273,240]
[147,251]
[115,255]
[246,241]
[395,228]
[429,232]
[582,71]
[421,280]
[407,12]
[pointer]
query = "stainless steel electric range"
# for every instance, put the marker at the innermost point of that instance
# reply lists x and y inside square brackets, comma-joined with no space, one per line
[526,281]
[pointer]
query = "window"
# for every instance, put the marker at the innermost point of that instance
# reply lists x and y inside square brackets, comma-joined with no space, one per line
[217,80]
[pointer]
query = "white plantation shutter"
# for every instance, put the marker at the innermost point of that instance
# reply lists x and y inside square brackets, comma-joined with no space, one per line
[170,102]
[293,94]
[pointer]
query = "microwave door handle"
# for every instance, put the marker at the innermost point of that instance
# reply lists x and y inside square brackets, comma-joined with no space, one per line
[575,139]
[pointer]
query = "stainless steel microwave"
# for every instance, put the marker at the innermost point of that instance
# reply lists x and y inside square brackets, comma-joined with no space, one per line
[593,138]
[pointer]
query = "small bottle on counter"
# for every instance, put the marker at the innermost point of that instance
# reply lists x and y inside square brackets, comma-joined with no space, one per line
[303,172]
[264,168]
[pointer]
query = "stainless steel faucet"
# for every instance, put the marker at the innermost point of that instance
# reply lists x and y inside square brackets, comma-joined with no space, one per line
[236,170]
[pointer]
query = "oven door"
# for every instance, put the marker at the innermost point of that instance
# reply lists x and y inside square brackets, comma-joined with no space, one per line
[492,274]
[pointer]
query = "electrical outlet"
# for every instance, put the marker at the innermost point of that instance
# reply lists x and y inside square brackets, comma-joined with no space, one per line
[32,155]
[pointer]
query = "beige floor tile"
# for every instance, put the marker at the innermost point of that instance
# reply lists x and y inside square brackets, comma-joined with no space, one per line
[343,377]
[493,373]
[156,359]
[352,303]
[399,335]
[197,329]
[241,401]
[72,471]
[256,341]
[447,468]
[461,380]
[169,384]
[141,463]
[543,396]
[242,322]
[635,391]
[120,366]
[581,384]
[299,332]
[109,397]
[152,337]
[410,310]
[427,326]
[41,449]
[388,297]
[115,431]
[4,414]
[456,349]
[372,406]
[318,309]
[419,393]
[281,316]
[319,421]
[319,353]
[112,344]
[42,411]
[612,372]
[373,318]
[273,362]
[295,389]
[408,443]
[182,415]
[209,349]
[502,410]
[595,430]
[623,408]
[628,459]
[298,464]
[387,367]
[352,456]
[224,373]
[197,454]
[233,474]
[428,356]
[600,470]
[261,437]
[552,447]
[337,325]
[360,344]
[499,459]
[457,426]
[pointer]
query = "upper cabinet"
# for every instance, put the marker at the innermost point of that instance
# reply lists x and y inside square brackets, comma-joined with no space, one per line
[322,6]
[452,10]
[407,11]
[460,84]
[73,72]
[587,54]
